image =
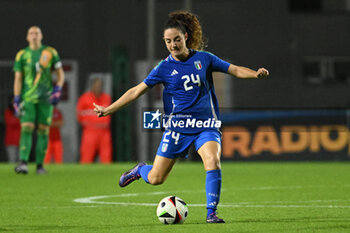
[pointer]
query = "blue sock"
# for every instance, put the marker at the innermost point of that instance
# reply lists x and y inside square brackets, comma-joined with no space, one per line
[144,170]
[213,189]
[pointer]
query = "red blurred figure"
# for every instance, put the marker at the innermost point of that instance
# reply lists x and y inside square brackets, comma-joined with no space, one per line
[12,133]
[96,137]
[55,148]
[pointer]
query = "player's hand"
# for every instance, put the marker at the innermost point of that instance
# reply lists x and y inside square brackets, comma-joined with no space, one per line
[99,110]
[17,105]
[262,73]
[56,95]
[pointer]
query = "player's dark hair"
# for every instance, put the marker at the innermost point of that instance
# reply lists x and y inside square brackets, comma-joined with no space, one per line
[187,22]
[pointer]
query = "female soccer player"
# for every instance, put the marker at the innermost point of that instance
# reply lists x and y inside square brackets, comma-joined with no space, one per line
[190,106]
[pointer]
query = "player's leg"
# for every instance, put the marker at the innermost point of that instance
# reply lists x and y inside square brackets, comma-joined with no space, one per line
[210,153]
[25,145]
[159,171]
[41,147]
[28,115]
[105,147]
[209,148]
[172,146]
[44,111]
[88,146]
[25,142]
[152,174]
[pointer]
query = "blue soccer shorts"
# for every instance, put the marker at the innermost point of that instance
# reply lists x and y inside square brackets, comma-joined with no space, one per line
[175,145]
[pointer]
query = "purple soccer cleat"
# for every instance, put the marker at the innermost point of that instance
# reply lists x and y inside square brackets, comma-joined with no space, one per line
[212,218]
[131,175]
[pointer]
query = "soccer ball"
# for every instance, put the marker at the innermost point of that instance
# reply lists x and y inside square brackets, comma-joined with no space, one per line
[172,210]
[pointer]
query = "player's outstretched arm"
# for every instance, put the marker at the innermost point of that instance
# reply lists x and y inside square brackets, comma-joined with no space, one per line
[244,72]
[128,97]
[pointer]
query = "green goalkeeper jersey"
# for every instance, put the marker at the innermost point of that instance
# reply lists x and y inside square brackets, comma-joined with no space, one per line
[36,67]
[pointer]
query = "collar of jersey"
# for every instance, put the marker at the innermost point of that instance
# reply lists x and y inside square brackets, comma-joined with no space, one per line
[192,53]
[35,49]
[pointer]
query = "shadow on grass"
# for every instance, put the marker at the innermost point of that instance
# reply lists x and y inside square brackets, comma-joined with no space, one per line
[301,220]
[159,224]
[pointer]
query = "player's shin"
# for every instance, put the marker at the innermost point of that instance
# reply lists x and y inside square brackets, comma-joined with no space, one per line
[25,143]
[213,190]
[41,146]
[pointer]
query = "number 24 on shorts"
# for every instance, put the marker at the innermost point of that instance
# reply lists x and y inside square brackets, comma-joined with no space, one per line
[174,135]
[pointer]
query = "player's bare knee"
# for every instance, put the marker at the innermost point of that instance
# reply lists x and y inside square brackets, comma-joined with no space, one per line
[43,128]
[212,164]
[28,126]
[157,180]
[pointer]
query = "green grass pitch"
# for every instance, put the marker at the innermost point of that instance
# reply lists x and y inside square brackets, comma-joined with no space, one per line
[256,197]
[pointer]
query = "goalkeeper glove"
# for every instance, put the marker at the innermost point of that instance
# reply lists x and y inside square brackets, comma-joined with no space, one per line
[17,105]
[56,95]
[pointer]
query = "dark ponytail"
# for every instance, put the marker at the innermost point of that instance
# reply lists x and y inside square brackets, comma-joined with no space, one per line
[187,22]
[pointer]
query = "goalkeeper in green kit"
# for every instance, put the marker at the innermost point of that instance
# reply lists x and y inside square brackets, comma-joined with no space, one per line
[35,94]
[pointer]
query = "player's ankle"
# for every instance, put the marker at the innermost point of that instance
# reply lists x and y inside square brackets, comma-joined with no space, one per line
[24,162]
[210,211]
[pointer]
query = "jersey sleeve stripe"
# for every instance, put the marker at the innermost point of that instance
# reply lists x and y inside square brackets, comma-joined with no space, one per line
[19,54]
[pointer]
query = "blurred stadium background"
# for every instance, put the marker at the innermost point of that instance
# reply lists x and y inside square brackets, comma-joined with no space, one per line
[299,113]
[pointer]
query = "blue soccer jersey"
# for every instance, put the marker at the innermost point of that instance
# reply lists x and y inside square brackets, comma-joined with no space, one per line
[190,103]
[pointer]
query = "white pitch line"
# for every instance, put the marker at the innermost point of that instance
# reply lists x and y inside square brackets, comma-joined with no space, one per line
[96,200]
[52,207]
[225,205]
